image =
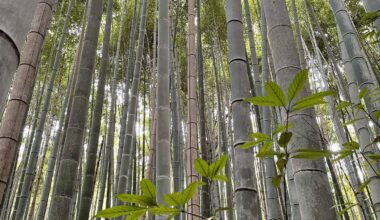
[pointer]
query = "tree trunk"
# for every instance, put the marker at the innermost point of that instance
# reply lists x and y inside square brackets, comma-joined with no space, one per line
[88,186]
[15,17]
[163,158]
[245,193]
[126,161]
[33,158]
[205,195]
[65,185]
[362,74]
[313,197]
[272,198]
[22,90]
[52,159]
[192,110]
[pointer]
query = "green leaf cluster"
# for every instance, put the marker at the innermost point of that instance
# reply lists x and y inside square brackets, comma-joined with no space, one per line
[212,171]
[276,96]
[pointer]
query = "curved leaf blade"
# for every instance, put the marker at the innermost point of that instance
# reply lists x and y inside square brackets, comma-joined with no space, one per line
[148,189]
[201,167]
[297,84]
[275,93]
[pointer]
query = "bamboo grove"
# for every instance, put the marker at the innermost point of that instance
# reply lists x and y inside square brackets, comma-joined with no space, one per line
[187,110]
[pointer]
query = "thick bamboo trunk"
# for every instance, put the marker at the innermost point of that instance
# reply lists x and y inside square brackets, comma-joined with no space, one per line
[15,19]
[272,198]
[163,158]
[33,159]
[192,110]
[357,57]
[23,85]
[245,192]
[89,175]
[126,160]
[312,197]
[68,167]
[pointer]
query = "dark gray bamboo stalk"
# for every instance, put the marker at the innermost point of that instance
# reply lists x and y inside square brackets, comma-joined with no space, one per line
[287,65]
[53,155]
[162,156]
[17,107]
[128,77]
[126,160]
[65,186]
[89,175]
[245,192]
[33,158]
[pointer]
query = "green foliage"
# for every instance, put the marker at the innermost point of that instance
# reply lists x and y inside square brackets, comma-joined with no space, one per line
[282,128]
[174,202]
[285,137]
[363,92]
[275,93]
[348,207]
[276,181]
[276,98]
[370,17]
[342,105]
[178,199]
[212,171]
[366,183]
[297,84]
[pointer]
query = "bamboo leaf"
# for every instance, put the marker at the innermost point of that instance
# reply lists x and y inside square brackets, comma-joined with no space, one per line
[305,104]
[217,166]
[221,178]
[366,183]
[342,105]
[315,98]
[178,199]
[370,17]
[262,101]
[202,167]
[353,121]
[163,210]
[281,163]
[117,211]
[343,154]
[173,199]
[281,128]
[312,154]
[267,150]
[297,84]
[250,144]
[148,189]
[285,137]
[363,92]
[377,114]
[275,92]
[135,215]
[260,136]
[190,191]
[276,181]
[352,145]
[346,209]
[375,157]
